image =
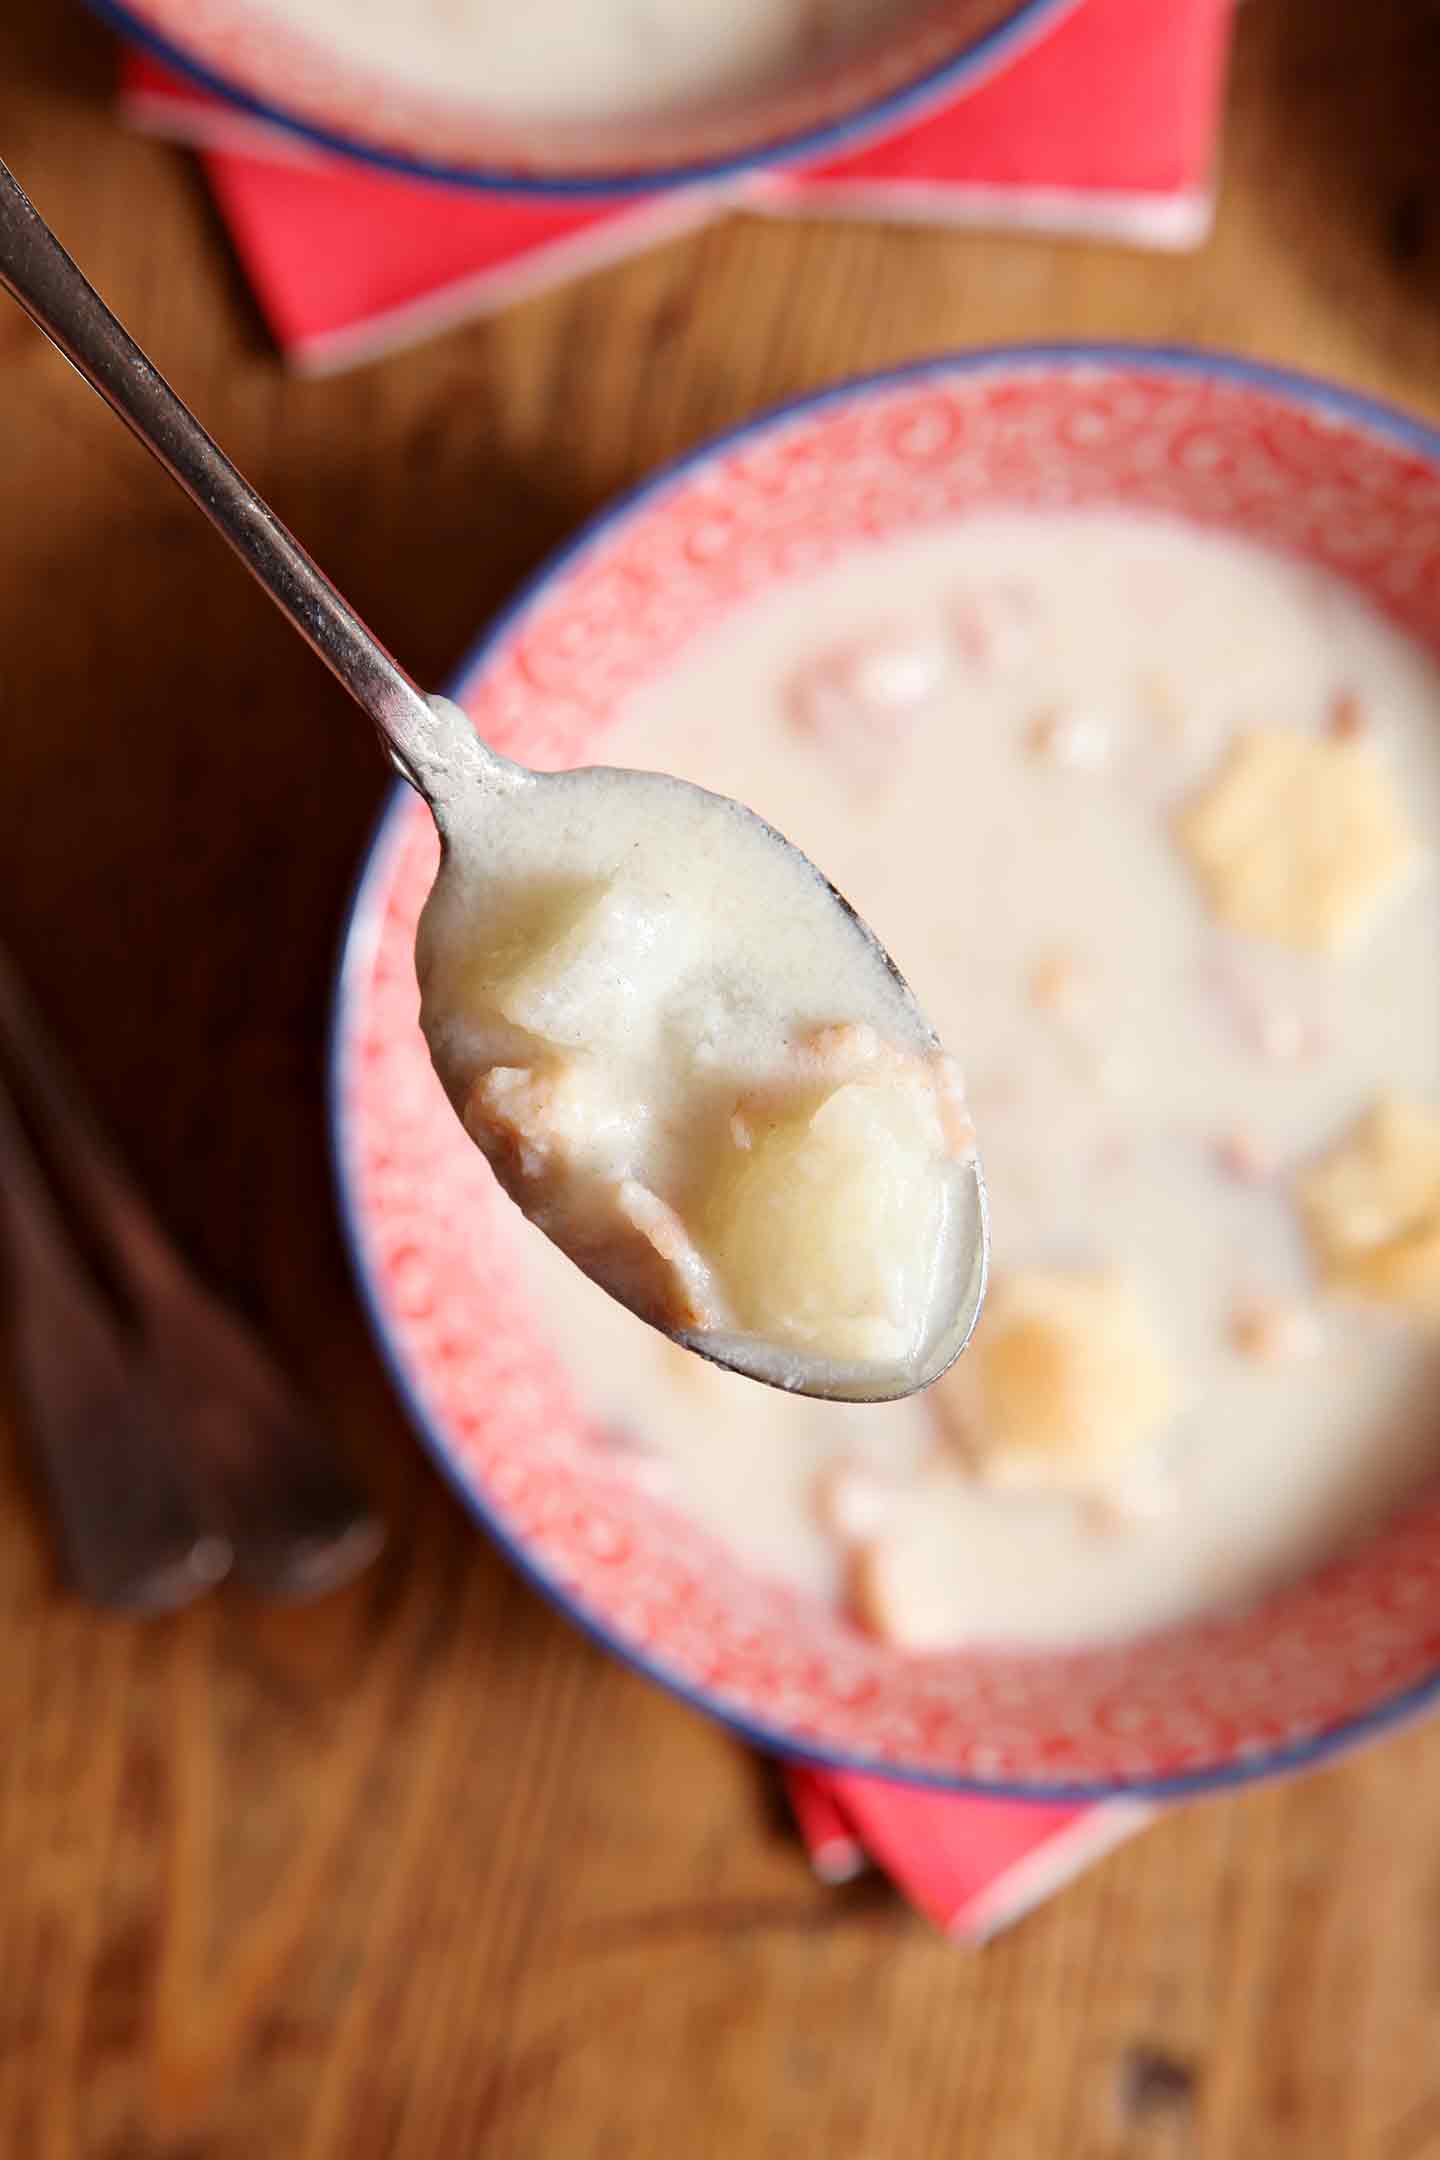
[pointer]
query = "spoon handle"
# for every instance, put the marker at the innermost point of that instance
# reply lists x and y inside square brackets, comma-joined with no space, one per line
[36,271]
[127,1528]
[185,1383]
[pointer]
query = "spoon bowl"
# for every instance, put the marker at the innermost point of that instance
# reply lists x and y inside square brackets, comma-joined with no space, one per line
[648,832]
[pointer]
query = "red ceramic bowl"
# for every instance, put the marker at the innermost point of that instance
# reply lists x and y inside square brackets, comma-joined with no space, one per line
[244,50]
[1295,464]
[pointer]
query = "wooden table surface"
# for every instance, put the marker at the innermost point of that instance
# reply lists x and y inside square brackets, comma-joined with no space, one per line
[418,1873]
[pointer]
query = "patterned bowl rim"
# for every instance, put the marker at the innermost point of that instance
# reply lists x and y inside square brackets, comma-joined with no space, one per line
[361,930]
[873,116]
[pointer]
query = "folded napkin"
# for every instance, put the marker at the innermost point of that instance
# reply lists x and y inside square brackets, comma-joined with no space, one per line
[970,1866]
[1104,124]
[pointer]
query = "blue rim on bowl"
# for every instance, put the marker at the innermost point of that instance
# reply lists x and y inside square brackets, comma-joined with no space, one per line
[988,50]
[361,926]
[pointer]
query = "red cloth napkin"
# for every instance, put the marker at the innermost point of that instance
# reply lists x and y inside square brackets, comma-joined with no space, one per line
[1106,123]
[970,1866]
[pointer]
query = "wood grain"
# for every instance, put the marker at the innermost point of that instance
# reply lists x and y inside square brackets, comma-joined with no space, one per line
[419,1875]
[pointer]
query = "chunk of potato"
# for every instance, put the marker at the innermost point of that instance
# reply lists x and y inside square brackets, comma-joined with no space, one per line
[575,961]
[826,1223]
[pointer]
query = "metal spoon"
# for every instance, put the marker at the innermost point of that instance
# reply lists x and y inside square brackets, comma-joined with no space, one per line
[122,1501]
[429,740]
[173,1445]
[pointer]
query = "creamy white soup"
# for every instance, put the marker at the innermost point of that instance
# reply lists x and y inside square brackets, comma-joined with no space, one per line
[1149,815]
[590,59]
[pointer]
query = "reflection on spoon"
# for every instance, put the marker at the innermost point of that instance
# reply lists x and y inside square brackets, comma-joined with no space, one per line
[686,1057]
